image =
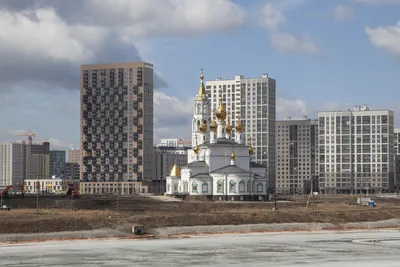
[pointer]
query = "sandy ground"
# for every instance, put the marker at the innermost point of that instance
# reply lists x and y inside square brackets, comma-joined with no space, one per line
[345,249]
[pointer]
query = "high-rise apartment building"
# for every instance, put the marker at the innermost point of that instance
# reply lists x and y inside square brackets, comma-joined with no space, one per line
[356,151]
[297,160]
[57,163]
[74,156]
[116,125]
[254,100]
[397,157]
[396,132]
[20,161]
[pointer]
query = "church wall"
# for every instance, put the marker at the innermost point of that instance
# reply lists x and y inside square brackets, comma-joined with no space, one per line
[172,185]
[204,186]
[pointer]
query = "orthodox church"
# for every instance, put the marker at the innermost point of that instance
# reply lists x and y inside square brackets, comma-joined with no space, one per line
[218,168]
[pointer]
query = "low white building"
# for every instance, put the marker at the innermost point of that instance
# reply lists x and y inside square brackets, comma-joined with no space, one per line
[51,186]
[218,167]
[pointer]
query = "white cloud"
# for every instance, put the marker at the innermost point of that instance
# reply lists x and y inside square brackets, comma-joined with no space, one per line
[386,37]
[172,116]
[294,108]
[271,17]
[378,2]
[47,36]
[286,42]
[342,13]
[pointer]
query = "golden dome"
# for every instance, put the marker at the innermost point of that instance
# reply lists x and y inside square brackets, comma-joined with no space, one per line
[201,94]
[203,127]
[196,149]
[175,171]
[251,150]
[221,112]
[233,156]
[213,125]
[239,127]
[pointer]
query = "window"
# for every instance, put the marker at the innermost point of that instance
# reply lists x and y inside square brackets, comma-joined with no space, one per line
[248,186]
[232,187]
[168,187]
[204,187]
[241,187]
[194,188]
[185,186]
[260,188]
[220,186]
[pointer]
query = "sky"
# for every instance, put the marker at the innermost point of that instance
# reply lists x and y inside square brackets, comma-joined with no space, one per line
[324,55]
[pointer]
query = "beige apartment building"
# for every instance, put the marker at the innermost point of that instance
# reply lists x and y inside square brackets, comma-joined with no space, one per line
[297,160]
[74,156]
[116,125]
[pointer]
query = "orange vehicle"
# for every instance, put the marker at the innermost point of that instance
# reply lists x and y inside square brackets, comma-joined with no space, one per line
[71,191]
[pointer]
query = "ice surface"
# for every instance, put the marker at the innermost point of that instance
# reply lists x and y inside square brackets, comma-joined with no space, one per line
[350,249]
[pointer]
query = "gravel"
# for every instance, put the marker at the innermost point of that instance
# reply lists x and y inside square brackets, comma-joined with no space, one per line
[193,230]
[99,233]
[276,227]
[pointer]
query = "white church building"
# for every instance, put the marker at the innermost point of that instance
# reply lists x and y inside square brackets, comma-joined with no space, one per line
[219,168]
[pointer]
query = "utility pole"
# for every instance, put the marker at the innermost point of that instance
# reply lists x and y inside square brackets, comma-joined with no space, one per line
[117,197]
[37,195]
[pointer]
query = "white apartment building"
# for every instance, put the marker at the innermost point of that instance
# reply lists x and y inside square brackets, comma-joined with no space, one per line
[20,161]
[356,151]
[254,100]
[12,161]
[396,141]
[297,157]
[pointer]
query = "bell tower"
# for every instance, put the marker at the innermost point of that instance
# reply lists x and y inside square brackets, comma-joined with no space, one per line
[201,115]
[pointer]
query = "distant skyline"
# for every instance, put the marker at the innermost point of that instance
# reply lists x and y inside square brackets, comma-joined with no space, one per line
[325,55]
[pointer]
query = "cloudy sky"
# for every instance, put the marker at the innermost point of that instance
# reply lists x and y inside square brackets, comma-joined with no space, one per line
[324,55]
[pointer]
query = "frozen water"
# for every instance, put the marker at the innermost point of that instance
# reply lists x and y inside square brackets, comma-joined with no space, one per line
[344,249]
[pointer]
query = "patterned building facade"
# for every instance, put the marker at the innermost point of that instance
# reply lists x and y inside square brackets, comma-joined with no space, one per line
[116,124]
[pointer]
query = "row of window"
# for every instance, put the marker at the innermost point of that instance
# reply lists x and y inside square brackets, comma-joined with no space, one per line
[233,188]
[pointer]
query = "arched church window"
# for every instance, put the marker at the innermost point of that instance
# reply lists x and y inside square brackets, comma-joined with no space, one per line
[241,186]
[204,187]
[220,186]
[198,108]
[185,186]
[232,187]
[248,186]
[194,187]
[260,188]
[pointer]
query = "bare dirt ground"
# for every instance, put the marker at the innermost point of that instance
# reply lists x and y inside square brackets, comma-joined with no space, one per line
[106,212]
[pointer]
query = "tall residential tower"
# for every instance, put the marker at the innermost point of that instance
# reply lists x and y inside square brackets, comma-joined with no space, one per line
[297,160]
[356,151]
[254,101]
[116,126]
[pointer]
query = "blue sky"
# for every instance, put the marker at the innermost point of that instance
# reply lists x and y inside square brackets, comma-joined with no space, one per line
[324,55]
